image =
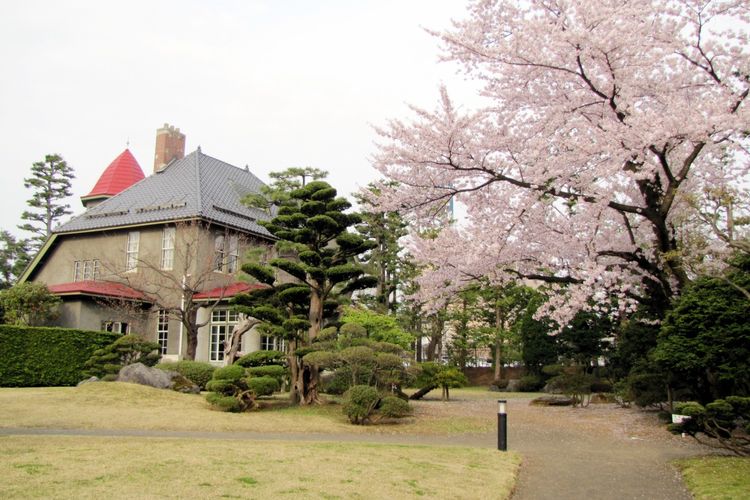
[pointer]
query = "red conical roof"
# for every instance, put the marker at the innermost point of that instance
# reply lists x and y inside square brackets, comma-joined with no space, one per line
[122,173]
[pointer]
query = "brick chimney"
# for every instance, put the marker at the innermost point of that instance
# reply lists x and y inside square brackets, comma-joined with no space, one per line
[170,145]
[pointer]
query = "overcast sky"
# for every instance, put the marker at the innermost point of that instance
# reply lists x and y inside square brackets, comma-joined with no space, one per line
[270,84]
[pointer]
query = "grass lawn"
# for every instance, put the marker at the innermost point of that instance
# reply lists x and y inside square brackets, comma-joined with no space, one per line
[96,467]
[128,406]
[717,478]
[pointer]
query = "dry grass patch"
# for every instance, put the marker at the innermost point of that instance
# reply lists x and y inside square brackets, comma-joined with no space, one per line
[93,467]
[134,407]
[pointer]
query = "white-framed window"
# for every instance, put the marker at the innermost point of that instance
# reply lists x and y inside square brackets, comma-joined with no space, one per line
[269,343]
[131,252]
[233,253]
[86,270]
[226,253]
[167,248]
[162,331]
[222,323]
[116,327]
[219,253]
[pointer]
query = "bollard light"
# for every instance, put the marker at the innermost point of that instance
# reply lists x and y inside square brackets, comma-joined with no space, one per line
[502,425]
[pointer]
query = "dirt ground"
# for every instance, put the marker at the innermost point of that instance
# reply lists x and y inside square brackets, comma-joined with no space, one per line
[602,451]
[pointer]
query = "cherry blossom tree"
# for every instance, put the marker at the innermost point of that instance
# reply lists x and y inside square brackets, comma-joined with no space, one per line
[597,116]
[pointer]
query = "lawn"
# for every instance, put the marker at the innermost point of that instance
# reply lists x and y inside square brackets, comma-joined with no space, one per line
[147,467]
[129,406]
[717,478]
[96,467]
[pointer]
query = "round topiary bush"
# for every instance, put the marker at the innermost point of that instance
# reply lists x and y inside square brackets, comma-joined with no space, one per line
[197,372]
[360,402]
[530,383]
[393,407]
[231,372]
[263,386]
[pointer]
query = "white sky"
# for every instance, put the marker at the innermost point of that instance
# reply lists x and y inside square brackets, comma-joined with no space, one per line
[271,84]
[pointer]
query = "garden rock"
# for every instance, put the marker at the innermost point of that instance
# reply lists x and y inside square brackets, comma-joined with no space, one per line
[138,373]
[552,401]
[88,381]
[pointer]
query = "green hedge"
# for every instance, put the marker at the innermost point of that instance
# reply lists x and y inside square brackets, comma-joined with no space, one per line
[32,356]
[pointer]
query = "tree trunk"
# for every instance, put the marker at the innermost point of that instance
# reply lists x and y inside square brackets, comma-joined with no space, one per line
[316,314]
[232,344]
[498,359]
[304,381]
[192,343]
[421,392]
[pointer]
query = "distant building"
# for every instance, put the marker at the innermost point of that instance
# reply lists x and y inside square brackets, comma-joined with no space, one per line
[117,263]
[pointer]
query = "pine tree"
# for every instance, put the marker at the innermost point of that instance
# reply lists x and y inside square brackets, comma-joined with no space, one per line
[50,181]
[14,257]
[312,223]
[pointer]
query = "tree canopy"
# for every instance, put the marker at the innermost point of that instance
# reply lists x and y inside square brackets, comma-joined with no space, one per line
[312,228]
[598,117]
[50,182]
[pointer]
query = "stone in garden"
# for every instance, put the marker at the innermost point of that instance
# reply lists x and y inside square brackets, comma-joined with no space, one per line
[138,373]
[552,401]
[88,381]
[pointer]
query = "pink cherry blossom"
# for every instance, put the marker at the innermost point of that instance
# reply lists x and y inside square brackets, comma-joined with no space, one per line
[597,117]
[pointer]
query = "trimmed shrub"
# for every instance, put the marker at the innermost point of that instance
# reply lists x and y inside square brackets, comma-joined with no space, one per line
[38,356]
[393,407]
[106,362]
[262,358]
[224,403]
[231,372]
[197,372]
[277,372]
[500,383]
[263,386]
[725,422]
[229,390]
[340,381]
[361,401]
[530,383]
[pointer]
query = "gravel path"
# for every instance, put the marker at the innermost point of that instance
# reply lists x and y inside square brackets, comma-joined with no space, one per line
[597,452]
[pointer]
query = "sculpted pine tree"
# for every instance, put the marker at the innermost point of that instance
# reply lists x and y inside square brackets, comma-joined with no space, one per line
[598,116]
[50,181]
[312,226]
[284,182]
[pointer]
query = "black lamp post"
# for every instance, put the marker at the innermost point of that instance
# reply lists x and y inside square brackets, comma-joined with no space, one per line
[502,425]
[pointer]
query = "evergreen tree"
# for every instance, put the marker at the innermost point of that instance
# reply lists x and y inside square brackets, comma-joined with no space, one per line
[313,224]
[283,183]
[50,181]
[14,257]
[387,261]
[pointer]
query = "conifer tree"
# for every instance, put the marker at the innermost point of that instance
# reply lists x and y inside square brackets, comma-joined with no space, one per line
[14,256]
[311,225]
[50,181]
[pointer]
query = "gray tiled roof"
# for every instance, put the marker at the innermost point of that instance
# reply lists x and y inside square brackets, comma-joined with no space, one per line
[197,186]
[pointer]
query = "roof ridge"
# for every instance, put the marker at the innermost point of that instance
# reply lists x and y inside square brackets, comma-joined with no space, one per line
[199,181]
